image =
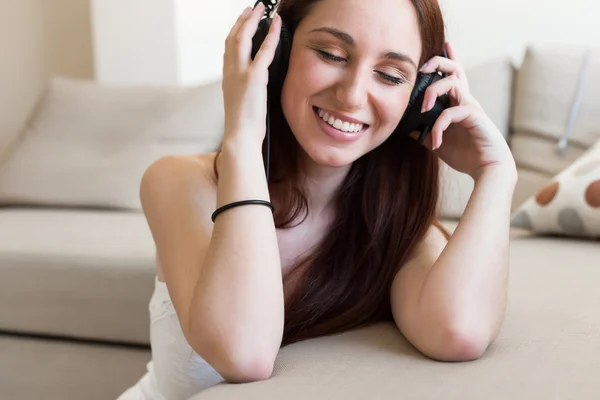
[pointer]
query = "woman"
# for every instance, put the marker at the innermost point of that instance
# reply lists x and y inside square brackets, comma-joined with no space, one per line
[353,239]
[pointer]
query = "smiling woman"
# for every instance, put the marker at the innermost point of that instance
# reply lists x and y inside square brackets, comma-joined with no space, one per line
[349,237]
[349,65]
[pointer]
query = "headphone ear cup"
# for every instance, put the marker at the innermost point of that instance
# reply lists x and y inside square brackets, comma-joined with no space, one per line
[413,119]
[279,65]
[418,94]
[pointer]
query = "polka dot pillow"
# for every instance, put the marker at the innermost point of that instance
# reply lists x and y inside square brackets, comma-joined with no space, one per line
[569,205]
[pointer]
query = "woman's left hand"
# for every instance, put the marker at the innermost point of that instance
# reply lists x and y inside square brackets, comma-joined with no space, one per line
[464,137]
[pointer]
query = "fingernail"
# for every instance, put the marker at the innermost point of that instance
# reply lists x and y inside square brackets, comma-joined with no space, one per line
[247,11]
[427,106]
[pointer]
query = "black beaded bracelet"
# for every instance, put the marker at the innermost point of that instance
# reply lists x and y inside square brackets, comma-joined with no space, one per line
[241,203]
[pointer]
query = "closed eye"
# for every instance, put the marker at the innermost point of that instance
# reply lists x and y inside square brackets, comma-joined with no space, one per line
[392,79]
[328,56]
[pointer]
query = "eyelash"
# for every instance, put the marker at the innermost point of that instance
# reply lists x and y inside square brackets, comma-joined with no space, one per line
[331,57]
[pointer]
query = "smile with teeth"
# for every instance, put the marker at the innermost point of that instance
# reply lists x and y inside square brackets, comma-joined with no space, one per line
[339,124]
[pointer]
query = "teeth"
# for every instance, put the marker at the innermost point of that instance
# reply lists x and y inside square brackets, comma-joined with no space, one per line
[338,123]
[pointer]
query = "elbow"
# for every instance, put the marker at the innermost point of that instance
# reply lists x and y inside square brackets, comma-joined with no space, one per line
[465,346]
[238,366]
[245,370]
[235,362]
[458,346]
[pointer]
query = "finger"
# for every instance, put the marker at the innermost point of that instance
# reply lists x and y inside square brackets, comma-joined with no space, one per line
[453,115]
[266,53]
[239,22]
[246,32]
[230,56]
[440,88]
[441,64]
[461,73]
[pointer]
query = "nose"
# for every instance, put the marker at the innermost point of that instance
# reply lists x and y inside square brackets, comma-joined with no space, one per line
[352,91]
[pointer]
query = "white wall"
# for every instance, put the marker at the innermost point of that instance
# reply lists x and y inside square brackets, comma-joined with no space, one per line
[159,41]
[485,29]
[133,41]
[201,33]
[38,38]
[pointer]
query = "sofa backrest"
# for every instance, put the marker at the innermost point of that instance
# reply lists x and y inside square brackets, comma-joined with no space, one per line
[556,112]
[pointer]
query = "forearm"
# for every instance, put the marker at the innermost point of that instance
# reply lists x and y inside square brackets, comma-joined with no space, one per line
[466,288]
[238,299]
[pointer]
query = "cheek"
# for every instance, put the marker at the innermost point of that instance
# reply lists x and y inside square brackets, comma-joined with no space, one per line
[390,110]
[305,80]
[306,76]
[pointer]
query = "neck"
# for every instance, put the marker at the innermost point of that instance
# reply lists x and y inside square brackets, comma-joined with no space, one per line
[321,183]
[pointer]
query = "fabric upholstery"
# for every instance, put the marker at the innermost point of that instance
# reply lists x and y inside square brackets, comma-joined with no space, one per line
[569,203]
[548,348]
[32,369]
[76,273]
[88,144]
[556,85]
[552,325]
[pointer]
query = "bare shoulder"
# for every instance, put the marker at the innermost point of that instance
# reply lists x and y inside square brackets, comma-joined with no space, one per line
[174,169]
[173,178]
[178,193]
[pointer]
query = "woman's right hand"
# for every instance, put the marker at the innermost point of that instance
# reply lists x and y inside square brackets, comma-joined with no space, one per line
[245,80]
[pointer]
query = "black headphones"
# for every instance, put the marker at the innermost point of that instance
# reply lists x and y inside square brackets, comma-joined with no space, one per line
[412,120]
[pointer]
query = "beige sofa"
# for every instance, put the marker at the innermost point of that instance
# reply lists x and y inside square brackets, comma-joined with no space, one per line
[77,258]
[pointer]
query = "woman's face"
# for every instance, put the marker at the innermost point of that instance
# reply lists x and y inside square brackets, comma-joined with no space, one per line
[355,60]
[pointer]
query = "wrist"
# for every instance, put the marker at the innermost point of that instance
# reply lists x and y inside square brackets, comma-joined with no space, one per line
[241,172]
[240,155]
[241,144]
[502,173]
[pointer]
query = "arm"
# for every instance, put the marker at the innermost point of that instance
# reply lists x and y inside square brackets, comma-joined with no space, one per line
[224,279]
[449,300]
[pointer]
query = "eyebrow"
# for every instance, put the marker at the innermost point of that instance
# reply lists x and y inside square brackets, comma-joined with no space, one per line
[349,40]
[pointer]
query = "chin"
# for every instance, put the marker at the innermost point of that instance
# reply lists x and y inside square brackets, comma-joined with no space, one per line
[328,156]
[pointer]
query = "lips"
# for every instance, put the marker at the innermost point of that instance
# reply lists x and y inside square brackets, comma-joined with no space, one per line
[337,134]
[340,122]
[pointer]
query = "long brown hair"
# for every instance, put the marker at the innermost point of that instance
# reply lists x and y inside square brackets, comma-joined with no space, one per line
[384,207]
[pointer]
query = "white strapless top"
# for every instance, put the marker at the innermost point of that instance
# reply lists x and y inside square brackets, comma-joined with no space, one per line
[175,372]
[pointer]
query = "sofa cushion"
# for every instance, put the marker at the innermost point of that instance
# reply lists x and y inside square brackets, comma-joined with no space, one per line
[34,369]
[88,144]
[80,273]
[548,348]
[569,203]
[557,96]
